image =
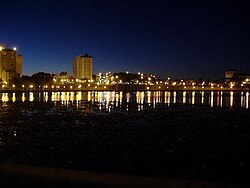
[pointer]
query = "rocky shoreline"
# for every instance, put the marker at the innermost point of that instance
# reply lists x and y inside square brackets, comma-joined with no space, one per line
[180,141]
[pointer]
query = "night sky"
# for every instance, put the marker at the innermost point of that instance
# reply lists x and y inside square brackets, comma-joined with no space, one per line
[180,39]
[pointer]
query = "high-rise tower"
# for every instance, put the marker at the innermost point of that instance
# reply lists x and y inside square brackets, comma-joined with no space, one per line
[10,63]
[82,67]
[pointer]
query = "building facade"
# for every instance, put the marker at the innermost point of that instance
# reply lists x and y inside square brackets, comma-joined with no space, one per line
[10,64]
[82,67]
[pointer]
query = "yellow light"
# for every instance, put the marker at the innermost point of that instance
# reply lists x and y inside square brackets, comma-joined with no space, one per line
[3,85]
[52,86]
[31,86]
[104,87]
[23,86]
[71,87]
[116,76]
[147,88]
[14,49]
[13,86]
[79,86]
[1,48]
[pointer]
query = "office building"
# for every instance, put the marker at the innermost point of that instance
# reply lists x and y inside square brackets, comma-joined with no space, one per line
[10,64]
[82,67]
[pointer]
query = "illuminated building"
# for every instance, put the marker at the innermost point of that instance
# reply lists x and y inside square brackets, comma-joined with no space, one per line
[229,75]
[10,64]
[82,67]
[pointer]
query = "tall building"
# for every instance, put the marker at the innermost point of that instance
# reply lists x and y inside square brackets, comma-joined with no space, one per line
[82,67]
[10,64]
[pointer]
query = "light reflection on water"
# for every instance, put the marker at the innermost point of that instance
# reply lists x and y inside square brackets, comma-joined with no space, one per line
[110,99]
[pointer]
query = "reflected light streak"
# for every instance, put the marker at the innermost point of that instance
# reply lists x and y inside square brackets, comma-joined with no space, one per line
[157,95]
[184,97]
[31,96]
[212,99]
[174,97]
[89,96]
[53,97]
[221,98]
[242,104]
[46,96]
[149,97]
[202,97]
[78,96]
[107,100]
[14,97]
[193,97]
[120,98]
[117,100]
[247,100]
[218,99]
[231,98]
[72,96]
[127,97]
[5,97]
[23,97]
[169,97]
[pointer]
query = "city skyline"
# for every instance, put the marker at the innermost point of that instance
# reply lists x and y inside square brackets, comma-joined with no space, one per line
[192,40]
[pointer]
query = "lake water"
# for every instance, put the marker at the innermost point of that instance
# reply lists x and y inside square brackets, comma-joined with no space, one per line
[108,99]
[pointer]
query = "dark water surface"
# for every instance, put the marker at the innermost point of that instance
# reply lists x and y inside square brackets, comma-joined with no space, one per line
[120,99]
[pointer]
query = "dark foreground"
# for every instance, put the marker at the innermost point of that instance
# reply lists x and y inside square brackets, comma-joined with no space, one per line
[187,143]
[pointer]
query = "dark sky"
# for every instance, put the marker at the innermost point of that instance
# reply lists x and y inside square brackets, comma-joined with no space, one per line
[181,39]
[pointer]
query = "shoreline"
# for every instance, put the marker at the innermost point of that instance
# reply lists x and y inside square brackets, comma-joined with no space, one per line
[207,144]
